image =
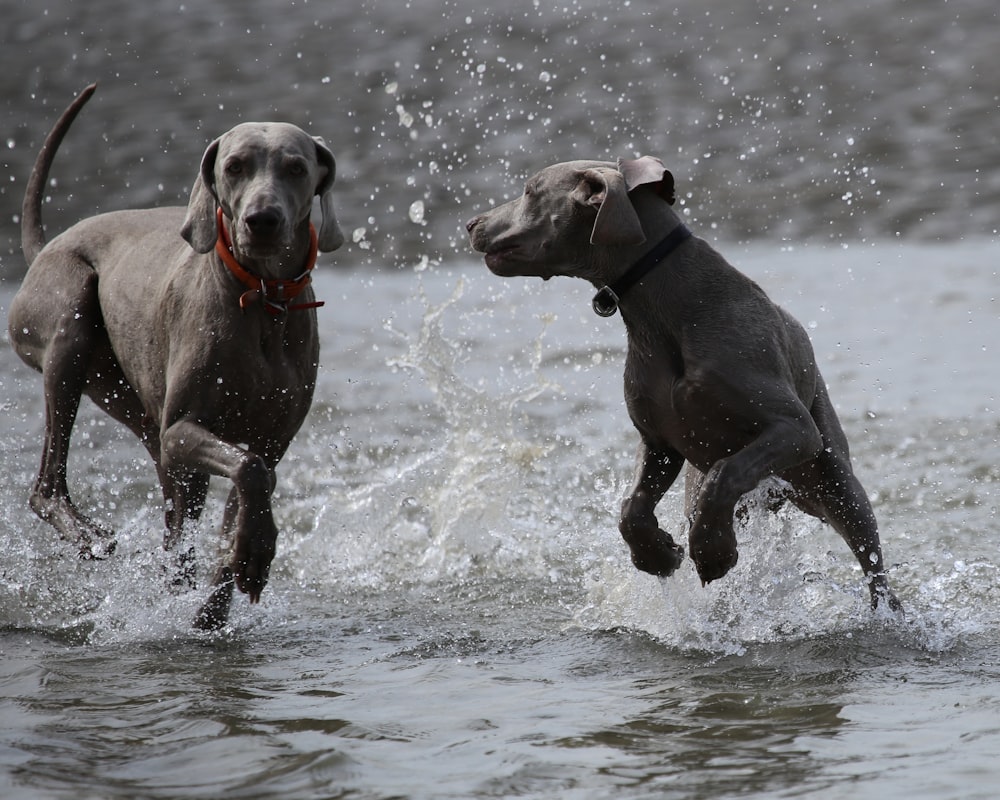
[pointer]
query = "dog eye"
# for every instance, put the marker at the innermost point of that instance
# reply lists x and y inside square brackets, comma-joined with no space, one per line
[297,169]
[234,167]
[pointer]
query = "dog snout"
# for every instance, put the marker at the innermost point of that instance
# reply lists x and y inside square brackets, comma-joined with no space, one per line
[264,222]
[478,235]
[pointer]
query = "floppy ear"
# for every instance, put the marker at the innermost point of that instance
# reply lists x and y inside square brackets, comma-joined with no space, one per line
[648,170]
[616,223]
[199,228]
[330,236]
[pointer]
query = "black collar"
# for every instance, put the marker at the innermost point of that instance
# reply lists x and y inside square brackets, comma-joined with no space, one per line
[607,298]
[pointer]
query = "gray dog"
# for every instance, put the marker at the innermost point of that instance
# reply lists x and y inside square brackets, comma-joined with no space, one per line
[716,374]
[205,346]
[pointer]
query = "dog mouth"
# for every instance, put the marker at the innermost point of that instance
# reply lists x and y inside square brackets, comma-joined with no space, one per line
[499,259]
[513,262]
[261,245]
[265,249]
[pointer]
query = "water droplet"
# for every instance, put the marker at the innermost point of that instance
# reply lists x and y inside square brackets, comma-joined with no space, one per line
[417,212]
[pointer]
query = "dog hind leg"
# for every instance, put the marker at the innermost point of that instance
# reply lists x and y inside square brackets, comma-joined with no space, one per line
[64,358]
[827,488]
[786,442]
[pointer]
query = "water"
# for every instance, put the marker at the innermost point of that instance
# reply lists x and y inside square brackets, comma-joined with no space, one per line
[451,611]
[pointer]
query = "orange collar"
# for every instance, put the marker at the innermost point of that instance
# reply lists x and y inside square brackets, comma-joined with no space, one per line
[274,294]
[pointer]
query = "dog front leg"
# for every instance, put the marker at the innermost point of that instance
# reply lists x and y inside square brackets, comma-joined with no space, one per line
[782,444]
[215,610]
[184,498]
[189,446]
[653,550]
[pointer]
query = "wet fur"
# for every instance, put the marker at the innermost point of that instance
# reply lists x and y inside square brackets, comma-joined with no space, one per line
[135,310]
[716,375]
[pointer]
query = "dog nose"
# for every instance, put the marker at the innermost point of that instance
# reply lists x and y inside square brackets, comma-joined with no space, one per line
[472,223]
[264,222]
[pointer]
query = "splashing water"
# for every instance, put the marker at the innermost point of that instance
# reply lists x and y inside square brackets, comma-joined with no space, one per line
[504,484]
[442,511]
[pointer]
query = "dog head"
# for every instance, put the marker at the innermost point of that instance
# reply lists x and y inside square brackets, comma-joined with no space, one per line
[566,212]
[264,177]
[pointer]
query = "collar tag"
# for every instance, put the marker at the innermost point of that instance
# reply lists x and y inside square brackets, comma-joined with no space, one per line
[605,302]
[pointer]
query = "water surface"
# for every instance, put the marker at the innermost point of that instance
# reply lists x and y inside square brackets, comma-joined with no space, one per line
[452,613]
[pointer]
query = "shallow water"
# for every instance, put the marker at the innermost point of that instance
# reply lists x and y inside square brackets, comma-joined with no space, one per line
[451,612]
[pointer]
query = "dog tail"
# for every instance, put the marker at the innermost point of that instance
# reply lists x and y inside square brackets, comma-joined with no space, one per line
[32,232]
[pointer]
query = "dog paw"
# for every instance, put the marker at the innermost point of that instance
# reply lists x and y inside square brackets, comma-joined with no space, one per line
[882,598]
[251,564]
[215,611]
[97,548]
[713,550]
[94,542]
[181,576]
[892,602]
[657,554]
[710,571]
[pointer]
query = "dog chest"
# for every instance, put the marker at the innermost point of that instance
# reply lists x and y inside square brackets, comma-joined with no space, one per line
[699,419]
